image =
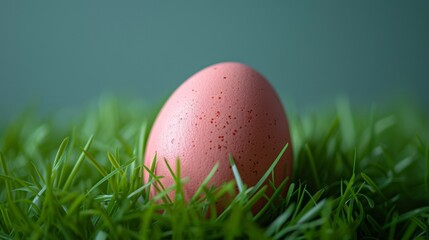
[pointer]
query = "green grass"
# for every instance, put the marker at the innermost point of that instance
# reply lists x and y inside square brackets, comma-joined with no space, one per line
[358,173]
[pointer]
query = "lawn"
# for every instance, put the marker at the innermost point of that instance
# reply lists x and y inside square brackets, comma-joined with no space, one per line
[359,173]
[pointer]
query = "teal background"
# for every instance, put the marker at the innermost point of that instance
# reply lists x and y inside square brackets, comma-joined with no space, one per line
[64,54]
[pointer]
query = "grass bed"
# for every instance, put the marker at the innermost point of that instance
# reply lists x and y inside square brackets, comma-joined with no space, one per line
[357,174]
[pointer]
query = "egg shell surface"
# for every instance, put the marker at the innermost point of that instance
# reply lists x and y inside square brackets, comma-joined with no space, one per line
[226,108]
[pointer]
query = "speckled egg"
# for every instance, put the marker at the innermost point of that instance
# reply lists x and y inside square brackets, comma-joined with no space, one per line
[226,108]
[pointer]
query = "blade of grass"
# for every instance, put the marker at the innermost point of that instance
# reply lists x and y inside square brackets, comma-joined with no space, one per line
[290,192]
[312,212]
[280,220]
[112,160]
[372,184]
[141,144]
[407,216]
[237,176]
[421,224]
[139,190]
[269,171]
[255,198]
[76,167]
[60,152]
[108,176]
[299,213]
[157,184]
[205,182]
[345,196]
[95,163]
[427,168]
[273,197]
[346,122]
[6,173]
[161,194]
[313,166]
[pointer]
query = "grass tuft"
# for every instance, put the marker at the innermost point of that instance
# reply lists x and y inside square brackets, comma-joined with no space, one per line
[357,174]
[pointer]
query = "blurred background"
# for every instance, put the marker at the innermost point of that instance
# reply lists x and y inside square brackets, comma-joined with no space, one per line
[58,55]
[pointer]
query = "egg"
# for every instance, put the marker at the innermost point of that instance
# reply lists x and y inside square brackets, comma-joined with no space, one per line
[227,108]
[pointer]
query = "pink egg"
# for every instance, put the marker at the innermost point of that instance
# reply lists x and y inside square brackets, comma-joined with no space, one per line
[226,108]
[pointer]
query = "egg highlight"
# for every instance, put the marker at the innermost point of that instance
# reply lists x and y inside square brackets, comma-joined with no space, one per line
[227,108]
